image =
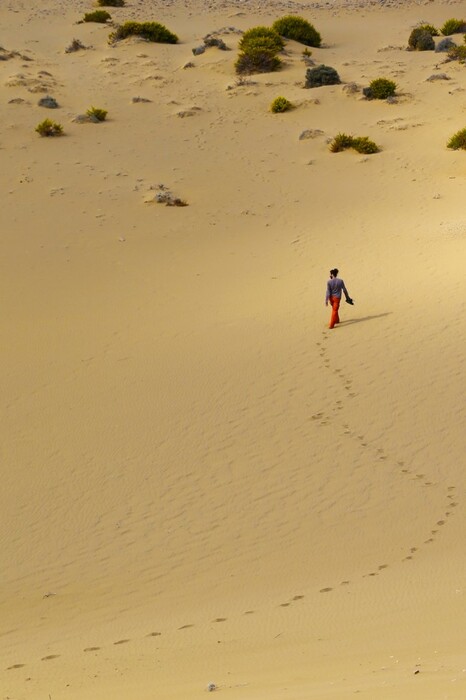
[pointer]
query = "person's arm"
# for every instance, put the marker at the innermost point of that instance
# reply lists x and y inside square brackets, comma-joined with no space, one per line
[328,293]
[345,292]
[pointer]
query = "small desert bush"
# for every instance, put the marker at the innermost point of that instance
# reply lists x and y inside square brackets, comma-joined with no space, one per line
[257,61]
[307,53]
[100,16]
[321,75]
[453,26]
[97,113]
[341,142]
[421,40]
[430,29]
[457,53]
[49,128]
[280,104]
[361,144]
[261,38]
[380,89]
[458,140]
[111,3]
[298,29]
[151,31]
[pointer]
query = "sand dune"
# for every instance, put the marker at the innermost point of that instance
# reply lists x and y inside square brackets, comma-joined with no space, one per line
[201,483]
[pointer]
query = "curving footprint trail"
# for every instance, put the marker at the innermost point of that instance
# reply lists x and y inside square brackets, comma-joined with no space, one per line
[380,455]
[322,418]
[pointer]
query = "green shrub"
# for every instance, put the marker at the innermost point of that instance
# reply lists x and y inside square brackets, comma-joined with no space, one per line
[100,16]
[298,29]
[261,42]
[421,40]
[430,29]
[280,104]
[361,144]
[457,53]
[321,75]
[261,38]
[453,26]
[49,128]
[341,142]
[458,140]
[380,89]
[307,53]
[99,114]
[257,61]
[151,31]
[111,3]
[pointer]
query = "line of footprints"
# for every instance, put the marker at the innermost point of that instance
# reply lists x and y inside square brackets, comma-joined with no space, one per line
[322,419]
[450,499]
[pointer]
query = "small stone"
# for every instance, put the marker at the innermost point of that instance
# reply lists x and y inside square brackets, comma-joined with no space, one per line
[189,64]
[48,101]
[211,687]
[310,134]
[437,76]
[198,50]
[85,119]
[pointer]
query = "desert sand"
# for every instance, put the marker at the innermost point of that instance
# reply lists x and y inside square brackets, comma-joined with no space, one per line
[200,482]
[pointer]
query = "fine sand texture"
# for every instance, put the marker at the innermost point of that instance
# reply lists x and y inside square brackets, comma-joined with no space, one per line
[201,483]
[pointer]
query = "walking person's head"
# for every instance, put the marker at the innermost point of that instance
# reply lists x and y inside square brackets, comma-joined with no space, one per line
[334,272]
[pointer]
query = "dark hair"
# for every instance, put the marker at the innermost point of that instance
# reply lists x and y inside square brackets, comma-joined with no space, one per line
[334,272]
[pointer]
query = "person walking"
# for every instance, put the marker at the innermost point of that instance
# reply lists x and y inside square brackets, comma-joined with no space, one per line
[335,287]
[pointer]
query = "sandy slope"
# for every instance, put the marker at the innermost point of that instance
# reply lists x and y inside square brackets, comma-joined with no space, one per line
[199,481]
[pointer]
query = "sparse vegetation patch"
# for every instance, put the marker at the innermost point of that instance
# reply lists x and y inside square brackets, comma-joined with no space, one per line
[257,61]
[280,104]
[457,53]
[261,38]
[421,40]
[111,3]
[95,113]
[361,144]
[453,26]
[150,31]
[458,141]
[430,29]
[297,29]
[321,75]
[380,89]
[100,16]
[49,128]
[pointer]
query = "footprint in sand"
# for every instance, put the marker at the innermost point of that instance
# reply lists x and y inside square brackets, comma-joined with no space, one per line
[298,597]
[92,649]
[220,619]
[185,627]
[249,612]
[325,590]
[154,634]
[50,657]
[284,605]
[122,641]
[10,668]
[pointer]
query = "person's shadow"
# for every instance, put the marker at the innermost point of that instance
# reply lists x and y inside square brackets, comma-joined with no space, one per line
[365,318]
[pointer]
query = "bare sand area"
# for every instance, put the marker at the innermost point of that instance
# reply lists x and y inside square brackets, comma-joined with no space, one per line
[200,483]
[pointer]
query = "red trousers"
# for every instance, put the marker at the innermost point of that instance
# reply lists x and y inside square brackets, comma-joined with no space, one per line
[335,304]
